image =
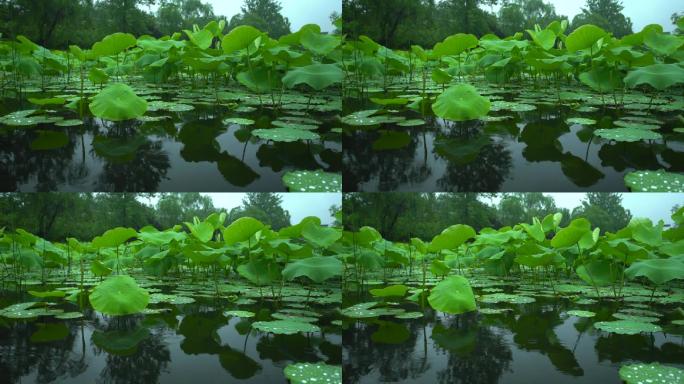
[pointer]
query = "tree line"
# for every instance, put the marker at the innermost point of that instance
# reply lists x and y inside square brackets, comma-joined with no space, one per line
[402,23]
[399,216]
[60,23]
[56,216]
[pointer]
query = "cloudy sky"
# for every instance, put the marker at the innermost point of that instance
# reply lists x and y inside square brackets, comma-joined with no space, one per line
[300,205]
[300,12]
[642,12]
[655,206]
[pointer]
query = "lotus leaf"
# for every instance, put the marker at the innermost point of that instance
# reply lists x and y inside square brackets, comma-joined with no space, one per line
[626,327]
[118,102]
[286,135]
[284,327]
[119,295]
[453,295]
[658,181]
[317,76]
[313,181]
[627,134]
[658,271]
[659,76]
[303,373]
[317,268]
[460,103]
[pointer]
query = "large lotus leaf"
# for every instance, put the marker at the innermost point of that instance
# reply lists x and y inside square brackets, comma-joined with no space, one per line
[626,327]
[318,269]
[551,221]
[239,38]
[602,79]
[651,374]
[118,102]
[259,80]
[260,271]
[313,181]
[241,230]
[305,373]
[285,327]
[663,44]
[658,271]
[119,295]
[645,232]
[389,291]
[44,294]
[598,272]
[113,44]
[455,44]
[202,38]
[99,269]
[536,230]
[114,237]
[658,181]
[452,237]
[584,37]
[629,135]
[453,295]
[317,76]
[203,231]
[460,103]
[286,135]
[659,76]
[571,234]
[545,38]
[160,238]
[320,236]
[319,43]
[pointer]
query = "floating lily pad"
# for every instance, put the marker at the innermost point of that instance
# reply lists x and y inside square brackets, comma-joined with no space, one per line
[580,313]
[655,181]
[410,315]
[158,105]
[284,327]
[313,181]
[580,121]
[628,135]
[286,135]
[626,327]
[237,313]
[411,123]
[238,121]
[69,123]
[641,319]
[69,315]
[156,298]
[306,373]
[506,298]
[493,311]
[651,374]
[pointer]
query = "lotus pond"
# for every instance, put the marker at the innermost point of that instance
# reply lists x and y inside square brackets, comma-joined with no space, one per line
[577,112]
[216,303]
[524,304]
[201,110]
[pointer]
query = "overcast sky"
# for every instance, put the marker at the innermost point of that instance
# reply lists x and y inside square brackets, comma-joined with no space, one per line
[642,12]
[655,206]
[299,12]
[300,205]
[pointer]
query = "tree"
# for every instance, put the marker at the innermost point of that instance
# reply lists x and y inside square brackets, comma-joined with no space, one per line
[604,210]
[175,15]
[606,14]
[264,15]
[515,208]
[265,207]
[678,20]
[175,208]
[519,15]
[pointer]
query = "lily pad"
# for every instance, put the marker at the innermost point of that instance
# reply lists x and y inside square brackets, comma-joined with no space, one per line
[119,295]
[580,313]
[628,135]
[284,327]
[651,374]
[410,315]
[286,135]
[655,181]
[237,313]
[306,373]
[313,181]
[506,298]
[580,121]
[118,102]
[626,327]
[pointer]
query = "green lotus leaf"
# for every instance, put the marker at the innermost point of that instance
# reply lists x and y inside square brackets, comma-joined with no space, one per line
[453,295]
[602,79]
[241,230]
[118,102]
[114,237]
[318,268]
[69,123]
[392,290]
[598,272]
[202,38]
[284,327]
[44,294]
[659,76]
[584,37]
[496,298]
[113,44]
[663,44]
[241,314]
[119,295]
[318,43]
[98,76]
[203,231]
[47,101]
[259,80]
[628,135]
[99,269]
[156,298]
[260,272]
[410,315]
[545,38]
[238,121]
[658,181]
[461,103]
[287,135]
[455,45]
[571,234]
[452,237]
[69,315]
[580,121]
[320,236]
[658,271]
[626,327]
[317,76]
[580,313]
[313,181]
[306,373]
[651,373]
[239,38]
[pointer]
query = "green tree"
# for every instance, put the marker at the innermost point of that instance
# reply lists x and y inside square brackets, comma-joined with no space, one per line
[263,14]
[604,210]
[677,19]
[174,15]
[175,208]
[515,208]
[606,14]
[266,207]
[519,15]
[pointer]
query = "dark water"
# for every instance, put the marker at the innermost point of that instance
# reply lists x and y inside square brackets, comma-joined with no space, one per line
[536,151]
[191,152]
[194,343]
[534,343]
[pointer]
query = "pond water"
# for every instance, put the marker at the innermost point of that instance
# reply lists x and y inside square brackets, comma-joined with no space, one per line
[186,343]
[537,342]
[184,151]
[527,144]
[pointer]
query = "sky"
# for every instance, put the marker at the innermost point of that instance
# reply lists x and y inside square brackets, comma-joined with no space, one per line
[655,206]
[299,12]
[642,12]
